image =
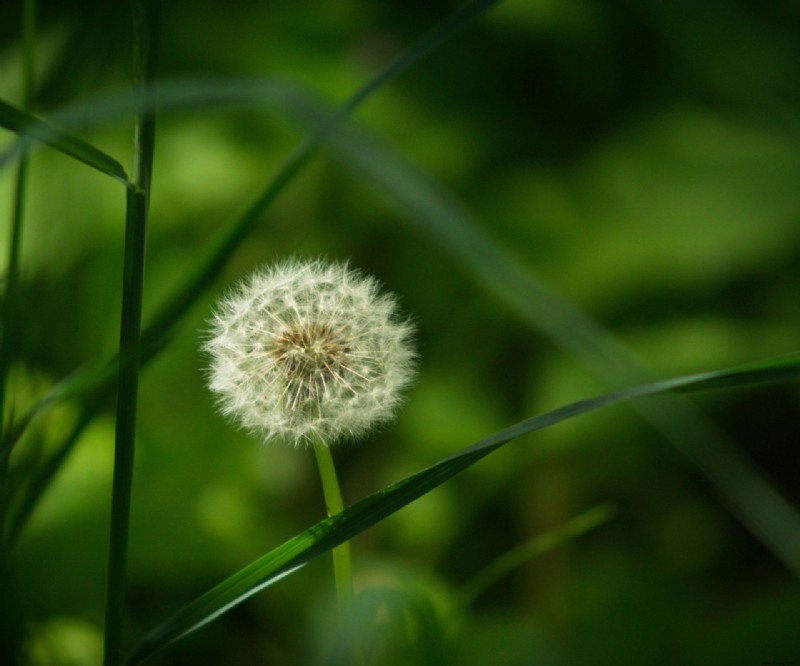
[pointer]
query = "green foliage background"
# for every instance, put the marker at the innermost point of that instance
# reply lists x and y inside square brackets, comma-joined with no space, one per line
[640,156]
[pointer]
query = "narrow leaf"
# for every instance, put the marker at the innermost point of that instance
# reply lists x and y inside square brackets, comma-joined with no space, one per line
[436,214]
[327,534]
[28,125]
[196,95]
[769,371]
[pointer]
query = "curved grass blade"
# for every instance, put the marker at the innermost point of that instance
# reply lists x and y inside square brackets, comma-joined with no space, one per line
[195,95]
[32,127]
[327,534]
[769,371]
[99,110]
[436,214]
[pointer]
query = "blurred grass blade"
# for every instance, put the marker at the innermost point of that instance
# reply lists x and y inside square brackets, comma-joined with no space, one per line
[328,534]
[10,305]
[43,476]
[28,125]
[434,213]
[199,94]
[538,545]
[288,100]
[117,106]
[83,381]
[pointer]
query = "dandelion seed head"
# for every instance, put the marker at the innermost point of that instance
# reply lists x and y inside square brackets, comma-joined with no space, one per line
[309,351]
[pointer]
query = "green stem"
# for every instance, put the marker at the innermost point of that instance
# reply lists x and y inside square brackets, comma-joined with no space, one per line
[127,393]
[138,196]
[342,562]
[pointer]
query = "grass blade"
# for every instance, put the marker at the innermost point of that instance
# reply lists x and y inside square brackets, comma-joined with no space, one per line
[8,342]
[538,545]
[434,213]
[287,99]
[198,94]
[195,95]
[773,370]
[146,29]
[32,127]
[327,534]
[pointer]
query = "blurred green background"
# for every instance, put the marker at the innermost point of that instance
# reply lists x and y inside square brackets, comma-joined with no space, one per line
[642,157]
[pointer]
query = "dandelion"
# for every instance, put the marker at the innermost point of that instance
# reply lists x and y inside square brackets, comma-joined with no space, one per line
[309,352]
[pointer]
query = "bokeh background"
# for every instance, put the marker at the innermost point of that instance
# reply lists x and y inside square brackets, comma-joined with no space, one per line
[642,157]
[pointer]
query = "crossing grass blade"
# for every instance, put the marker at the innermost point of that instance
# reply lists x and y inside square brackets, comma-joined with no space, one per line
[30,126]
[112,108]
[434,213]
[197,95]
[327,534]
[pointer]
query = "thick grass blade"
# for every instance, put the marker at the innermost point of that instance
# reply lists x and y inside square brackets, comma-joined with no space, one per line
[327,534]
[146,24]
[30,126]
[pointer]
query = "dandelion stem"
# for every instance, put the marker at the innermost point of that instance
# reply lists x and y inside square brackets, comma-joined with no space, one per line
[342,562]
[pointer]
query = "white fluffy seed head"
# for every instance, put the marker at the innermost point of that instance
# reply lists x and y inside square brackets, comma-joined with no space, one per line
[309,352]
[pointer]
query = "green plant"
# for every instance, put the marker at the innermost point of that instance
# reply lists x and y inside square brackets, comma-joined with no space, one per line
[32,455]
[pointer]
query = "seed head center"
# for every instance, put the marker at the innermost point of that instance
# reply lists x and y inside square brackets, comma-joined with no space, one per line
[310,353]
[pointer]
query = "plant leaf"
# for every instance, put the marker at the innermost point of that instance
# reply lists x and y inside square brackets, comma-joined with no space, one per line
[28,125]
[534,547]
[196,94]
[327,534]
[435,214]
